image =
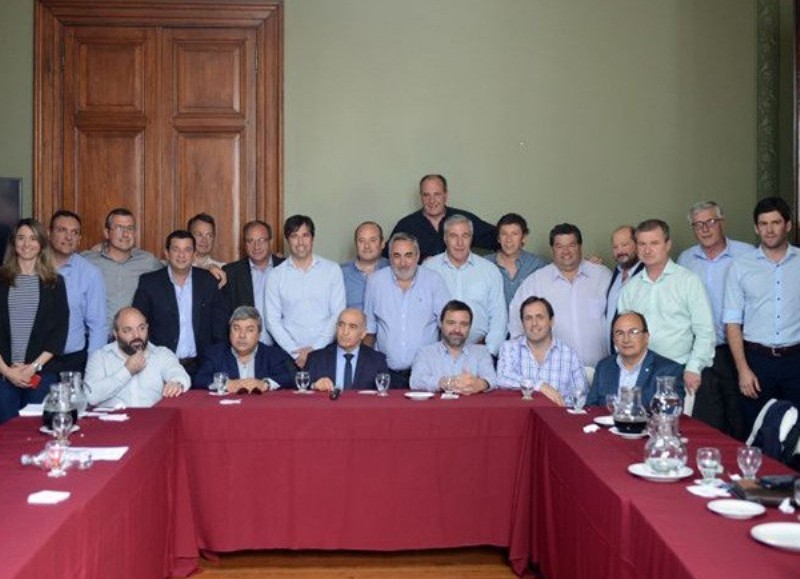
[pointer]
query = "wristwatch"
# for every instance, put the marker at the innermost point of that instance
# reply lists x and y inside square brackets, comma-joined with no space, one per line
[37,366]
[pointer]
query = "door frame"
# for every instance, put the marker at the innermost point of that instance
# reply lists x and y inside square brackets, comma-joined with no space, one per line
[50,18]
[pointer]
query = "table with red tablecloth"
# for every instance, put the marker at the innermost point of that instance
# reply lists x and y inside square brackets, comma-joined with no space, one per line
[594,519]
[123,519]
[293,471]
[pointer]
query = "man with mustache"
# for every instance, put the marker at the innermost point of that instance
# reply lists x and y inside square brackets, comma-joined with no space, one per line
[467,367]
[130,371]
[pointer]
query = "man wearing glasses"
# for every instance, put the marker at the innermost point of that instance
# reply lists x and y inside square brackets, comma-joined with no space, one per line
[247,278]
[718,405]
[634,364]
[120,261]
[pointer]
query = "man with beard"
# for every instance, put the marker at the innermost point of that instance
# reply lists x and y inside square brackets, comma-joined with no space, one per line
[761,316]
[467,367]
[130,371]
[402,304]
[628,265]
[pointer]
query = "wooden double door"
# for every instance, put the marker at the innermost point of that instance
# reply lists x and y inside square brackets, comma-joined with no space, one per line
[169,110]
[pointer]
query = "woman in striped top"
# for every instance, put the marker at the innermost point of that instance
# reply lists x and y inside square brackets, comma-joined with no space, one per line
[34,318]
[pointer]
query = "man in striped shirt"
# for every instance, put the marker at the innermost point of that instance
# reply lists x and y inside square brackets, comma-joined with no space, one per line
[554,368]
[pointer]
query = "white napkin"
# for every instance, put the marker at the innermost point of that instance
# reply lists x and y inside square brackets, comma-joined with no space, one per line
[32,410]
[47,497]
[573,411]
[786,506]
[708,491]
[590,428]
[688,403]
[100,452]
[113,417]
[446,396]
[229,401]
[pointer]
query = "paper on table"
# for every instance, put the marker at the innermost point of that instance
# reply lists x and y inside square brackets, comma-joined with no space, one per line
[708,491]
[113,417]
[32,410]
[47,497]
[229,401]
[590,428]
[100,452]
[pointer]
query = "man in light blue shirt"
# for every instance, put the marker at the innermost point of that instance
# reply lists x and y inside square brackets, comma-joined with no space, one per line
[576,288]
[86,293]
[762,312]
[369,245]
[402,305]
[453,363]
[304,295]
[515,264]
[675,304]
[718,401]
[473,280]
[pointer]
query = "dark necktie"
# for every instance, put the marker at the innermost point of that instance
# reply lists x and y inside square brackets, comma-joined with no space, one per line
[348,371]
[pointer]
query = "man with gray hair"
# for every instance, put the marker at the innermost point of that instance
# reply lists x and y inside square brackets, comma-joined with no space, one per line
[250,364]
[473,280]
[718,401]
[402,305]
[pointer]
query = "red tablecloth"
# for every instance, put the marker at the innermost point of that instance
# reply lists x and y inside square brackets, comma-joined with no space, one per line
[290,471]
[123,519]
[594,519]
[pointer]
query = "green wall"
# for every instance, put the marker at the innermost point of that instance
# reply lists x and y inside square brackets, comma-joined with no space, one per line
[589,111]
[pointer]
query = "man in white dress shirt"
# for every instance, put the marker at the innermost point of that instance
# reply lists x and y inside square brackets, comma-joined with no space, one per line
[130,371]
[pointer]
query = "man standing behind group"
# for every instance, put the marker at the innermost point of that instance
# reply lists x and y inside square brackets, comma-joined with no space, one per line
[347,363]
[86,293]
[762,312]
[247,278]
[426,224]
[402,305]
[576,288]
[710,259]
[120,262]
[369,245]
[182,303]
[515,264]
[204,229]
[623,246]
[473,280]
[453,363]
[305,294]
[674,302]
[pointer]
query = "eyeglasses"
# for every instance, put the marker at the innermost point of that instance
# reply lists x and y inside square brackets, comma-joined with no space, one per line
[632,333]
[707,224]
[123,228]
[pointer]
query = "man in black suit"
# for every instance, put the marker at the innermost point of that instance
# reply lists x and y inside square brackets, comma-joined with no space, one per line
[249,364]
[183,305]
[346,363]
[247,278]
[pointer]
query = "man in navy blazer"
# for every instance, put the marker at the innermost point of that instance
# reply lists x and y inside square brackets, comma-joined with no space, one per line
[186,322]
[328,366]
[634,364]
[247,277]
[249,363]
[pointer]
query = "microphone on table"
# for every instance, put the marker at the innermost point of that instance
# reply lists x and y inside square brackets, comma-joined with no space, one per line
[334,394]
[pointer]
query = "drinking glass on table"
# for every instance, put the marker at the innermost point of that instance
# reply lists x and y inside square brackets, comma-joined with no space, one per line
[749,460]
[527,386]
[709,462]
[220,383]
[579,399]
[449,385]
[611,403]
[56,453]
[382,380]
[61,426]
[302,380]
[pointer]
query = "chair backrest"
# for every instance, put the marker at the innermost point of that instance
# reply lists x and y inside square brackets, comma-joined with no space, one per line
[776,432]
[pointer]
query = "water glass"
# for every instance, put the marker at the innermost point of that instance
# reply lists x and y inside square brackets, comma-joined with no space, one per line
[749,460]
[579,400]
[382,380]
[56,452]
[709,462]
[611,403]
[527,386]
[220,383]
[302,380]
[61,426]
[449,385]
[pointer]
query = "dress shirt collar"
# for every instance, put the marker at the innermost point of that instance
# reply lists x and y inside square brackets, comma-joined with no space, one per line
[791,253]
[557,274]
[188,280]
[254,266]
[697,251]
[444,350]
[523,342]
[669,269]
[636,367]
[448,262]
[314,262]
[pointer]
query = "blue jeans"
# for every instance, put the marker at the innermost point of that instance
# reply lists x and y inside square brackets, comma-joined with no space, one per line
[13,398]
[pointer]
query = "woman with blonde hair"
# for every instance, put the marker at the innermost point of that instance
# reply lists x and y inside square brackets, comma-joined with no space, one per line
[34,318]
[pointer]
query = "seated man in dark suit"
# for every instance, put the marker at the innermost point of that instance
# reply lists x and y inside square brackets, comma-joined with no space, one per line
[250,364]
[346,363]
[634,364]
[184,306]
[247,277]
